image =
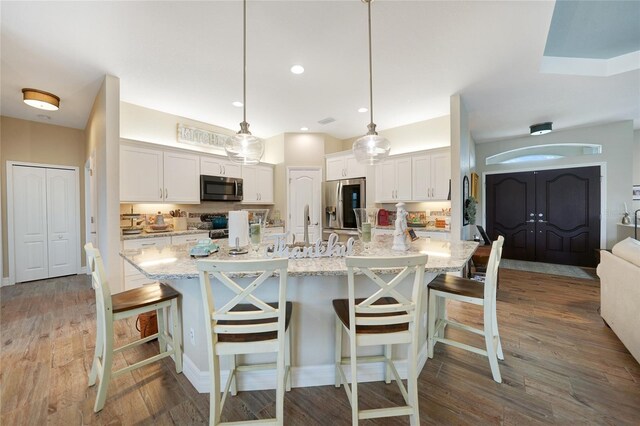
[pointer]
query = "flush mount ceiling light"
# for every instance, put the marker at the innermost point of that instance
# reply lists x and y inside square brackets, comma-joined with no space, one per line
[297,69]
[371,148]
[304,129]
[541,128]
[41,99]
[243,147]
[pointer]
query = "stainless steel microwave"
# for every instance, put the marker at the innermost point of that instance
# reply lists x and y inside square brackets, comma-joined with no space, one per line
[219,188]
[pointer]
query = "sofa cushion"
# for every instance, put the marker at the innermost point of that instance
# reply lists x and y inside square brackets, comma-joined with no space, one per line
[629,250]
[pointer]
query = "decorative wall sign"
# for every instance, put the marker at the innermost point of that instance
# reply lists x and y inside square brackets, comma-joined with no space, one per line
[465,195]
[332,249]
[201,138]
[474,185]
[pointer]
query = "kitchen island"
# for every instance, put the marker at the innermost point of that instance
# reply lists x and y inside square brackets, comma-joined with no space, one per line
[312,285]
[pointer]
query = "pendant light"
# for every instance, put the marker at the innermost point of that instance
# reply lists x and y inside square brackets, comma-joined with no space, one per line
[243,147]
[371,148]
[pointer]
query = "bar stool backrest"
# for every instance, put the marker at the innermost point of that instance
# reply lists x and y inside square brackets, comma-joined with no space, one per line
[254,320]
[99,283]
[405,310]
[491,277]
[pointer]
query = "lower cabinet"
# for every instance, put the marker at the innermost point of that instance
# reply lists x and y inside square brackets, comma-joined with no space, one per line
[436,235]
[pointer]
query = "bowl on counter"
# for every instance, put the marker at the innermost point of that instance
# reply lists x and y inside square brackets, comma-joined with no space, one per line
[157,227]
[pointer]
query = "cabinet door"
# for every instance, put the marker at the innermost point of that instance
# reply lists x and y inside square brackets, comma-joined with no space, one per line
[421,169]
[61,222]
[132,277]
[386,182]
[403,179]
[141,175]
[214,166]
[264,177]
[440,175]
[353,168]
[181,178]
[335,168]
[249,185]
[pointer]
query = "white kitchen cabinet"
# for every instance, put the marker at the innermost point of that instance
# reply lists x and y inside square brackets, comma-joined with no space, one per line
[344,166]
[435,235]
[132,277]
[141,174]
[257,184]
[181,178]
[215,166]
[153,175]
[190,239]
[431,174]
[393,180]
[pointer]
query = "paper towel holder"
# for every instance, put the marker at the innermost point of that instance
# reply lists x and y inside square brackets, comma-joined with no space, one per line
[237,250]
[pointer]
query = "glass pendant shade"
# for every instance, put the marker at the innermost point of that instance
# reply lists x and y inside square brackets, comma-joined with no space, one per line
[371,149]
[244,148]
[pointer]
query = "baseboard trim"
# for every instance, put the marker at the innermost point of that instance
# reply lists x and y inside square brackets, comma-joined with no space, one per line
[301,377]
[6,281]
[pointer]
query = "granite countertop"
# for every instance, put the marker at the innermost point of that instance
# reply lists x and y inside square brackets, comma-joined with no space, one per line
[174,262]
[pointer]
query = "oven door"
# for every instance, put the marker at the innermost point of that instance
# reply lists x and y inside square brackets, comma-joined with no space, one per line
[218,188]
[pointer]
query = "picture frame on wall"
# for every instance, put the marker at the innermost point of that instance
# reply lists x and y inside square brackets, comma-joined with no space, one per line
[465,195]
[474,185]
[636,192]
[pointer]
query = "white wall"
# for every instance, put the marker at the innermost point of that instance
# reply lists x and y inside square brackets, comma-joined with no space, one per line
[463,162]
[617,140]
[103,138]
[148,125]
[427,134]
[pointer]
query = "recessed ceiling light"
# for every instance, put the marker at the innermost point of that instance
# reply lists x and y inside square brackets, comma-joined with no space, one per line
[237,104]
[41,99]
[43,117]
[304,129]
[297,69]
[363,109]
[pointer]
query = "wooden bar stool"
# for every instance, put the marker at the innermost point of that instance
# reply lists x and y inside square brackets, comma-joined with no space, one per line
[153,297]
[385,318]
[238,328]
[465,290]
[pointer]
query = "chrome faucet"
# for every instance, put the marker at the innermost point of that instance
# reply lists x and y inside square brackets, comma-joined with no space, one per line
[306,219]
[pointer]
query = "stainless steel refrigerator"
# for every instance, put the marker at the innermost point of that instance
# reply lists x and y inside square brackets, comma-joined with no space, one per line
[340,197]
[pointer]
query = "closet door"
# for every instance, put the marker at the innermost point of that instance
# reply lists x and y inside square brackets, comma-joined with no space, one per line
[30,223]
[61,220]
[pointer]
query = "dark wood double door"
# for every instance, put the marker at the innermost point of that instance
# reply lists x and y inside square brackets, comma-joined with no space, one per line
[548,216]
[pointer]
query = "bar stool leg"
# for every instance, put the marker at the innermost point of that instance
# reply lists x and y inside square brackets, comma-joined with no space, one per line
[98,350]
[432,315]
[105,374]
[353,356]
[162,336]
[232,370]
[412,384]
[496,334]
[387,370]
[280,385]
[338,350]
[287,357]
[176,335]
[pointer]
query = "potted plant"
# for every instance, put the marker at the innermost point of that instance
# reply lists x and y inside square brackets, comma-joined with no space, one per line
[470,210]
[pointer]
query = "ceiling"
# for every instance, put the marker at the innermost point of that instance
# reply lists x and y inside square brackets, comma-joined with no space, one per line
[185,58]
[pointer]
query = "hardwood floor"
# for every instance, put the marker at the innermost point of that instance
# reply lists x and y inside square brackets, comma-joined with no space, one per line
[562,366]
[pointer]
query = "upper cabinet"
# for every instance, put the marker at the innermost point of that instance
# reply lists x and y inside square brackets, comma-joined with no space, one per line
[422,176]
[393,180]
[150,175]
[344,166]
[257,184]
[215,166]
[431,175]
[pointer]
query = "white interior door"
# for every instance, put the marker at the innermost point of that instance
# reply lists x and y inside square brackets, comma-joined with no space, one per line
[30,223]
[61,220]
[304,189]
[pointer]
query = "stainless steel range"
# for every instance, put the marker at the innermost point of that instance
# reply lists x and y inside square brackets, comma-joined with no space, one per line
[218,233]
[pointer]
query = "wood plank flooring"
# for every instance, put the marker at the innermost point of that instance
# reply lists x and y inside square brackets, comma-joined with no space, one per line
[562,366]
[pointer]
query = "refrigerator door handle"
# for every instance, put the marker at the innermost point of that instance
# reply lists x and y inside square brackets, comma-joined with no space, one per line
[339,218]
